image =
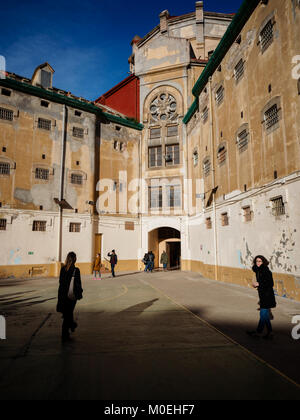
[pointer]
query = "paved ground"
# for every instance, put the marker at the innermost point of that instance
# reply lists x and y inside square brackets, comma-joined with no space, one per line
[174,336]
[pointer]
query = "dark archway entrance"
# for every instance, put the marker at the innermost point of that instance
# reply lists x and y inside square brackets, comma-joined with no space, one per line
[166,239]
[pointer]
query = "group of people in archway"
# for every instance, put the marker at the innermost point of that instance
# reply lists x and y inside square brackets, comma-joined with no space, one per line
[149,258]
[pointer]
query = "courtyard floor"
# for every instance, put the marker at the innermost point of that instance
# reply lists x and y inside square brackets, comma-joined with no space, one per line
[141,336]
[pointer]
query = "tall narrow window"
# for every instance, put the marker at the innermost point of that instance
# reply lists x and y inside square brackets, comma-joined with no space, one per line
[174,196]
[155,197]
[3,224]
[247,213]
[155,157]
[208,223]
[266,36]
[204,115]
[195,158]
[224,219]
[242,140]
[220,95]
[206,167]
[172,155]
[239,70]
[222,155]
[271,117]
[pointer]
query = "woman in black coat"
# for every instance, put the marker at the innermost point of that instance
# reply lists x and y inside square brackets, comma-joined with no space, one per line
[264,285]
[66,303]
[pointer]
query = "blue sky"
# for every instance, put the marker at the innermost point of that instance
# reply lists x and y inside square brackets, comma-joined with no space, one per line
[86,42]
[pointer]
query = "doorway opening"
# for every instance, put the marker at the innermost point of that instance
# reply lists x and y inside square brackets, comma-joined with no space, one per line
[169,240]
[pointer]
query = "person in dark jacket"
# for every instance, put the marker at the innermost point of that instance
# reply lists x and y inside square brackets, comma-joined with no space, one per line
[264,285]
[113,261]
[151,261]
[66,302]
[146,260]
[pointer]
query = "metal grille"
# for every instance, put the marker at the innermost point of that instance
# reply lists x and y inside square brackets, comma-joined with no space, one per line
[76,179]
[247,214]
[155,157]
[75,227]
[39,226]
[242,140]
[271,117]
[220,95]
[6,114]
[41,173]
[172,131]
[78,132]
[239,70]
[172,155]
[206,167]
[222,155]
[2,224]
[4,168]
[266,36]
[205,115]
[44,124]
[278,208]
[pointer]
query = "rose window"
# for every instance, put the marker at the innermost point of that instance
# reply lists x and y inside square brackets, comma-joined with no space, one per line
[163,108]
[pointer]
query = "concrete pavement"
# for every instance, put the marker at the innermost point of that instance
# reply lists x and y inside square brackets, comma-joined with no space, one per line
[160,336]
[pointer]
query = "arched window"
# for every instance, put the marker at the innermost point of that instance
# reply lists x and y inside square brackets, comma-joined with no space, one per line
[163,108]
[206,166]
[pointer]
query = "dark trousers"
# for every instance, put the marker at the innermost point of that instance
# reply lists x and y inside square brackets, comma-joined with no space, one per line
[68,321]
[113,270]
[264,321]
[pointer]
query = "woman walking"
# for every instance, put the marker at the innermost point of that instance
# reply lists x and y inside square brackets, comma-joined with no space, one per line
[97,267]
[264,284]
[70,290]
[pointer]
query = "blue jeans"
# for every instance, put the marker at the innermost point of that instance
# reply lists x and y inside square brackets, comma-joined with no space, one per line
[113,270]
[264,321]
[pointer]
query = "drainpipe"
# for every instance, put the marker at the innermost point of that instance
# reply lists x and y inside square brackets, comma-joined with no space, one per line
[61,185]
[213,180]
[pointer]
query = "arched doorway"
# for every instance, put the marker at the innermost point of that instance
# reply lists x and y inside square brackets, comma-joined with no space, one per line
[166,239]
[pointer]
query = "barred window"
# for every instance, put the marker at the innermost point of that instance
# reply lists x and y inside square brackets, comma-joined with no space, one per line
[4,168]
[41,173]
[75,227]
[266,36]
[154,133]
[39,226]
[208,223]
[247,213]
[172,155]
[76,179]
[271,117]
[239,70]
[172,130]
[220,95]
[204,115]
[206,167]
[155,156]
[44,124]
[222,153]
[3,224]
[6,114]
[242,140]
[78,132]
[155,197]
[278,208]
[224,219]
